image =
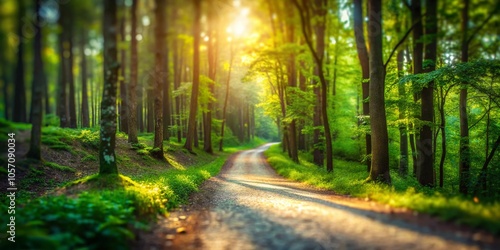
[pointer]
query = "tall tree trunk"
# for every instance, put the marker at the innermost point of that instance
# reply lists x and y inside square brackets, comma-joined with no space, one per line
[226,97]
[363,57]
[380,141]
[212,70]
[403,136]
[177,83]
[418,48]
[5,89]
[292,82]
[107,158]
[123,86]
[132,90]
[318,56]
[62,108]
[71,80]
[37,90]
[167,97]
[464,165]
[425,166]
[19,114]
[443,135]
[196,77]
[85,101]
[158,79]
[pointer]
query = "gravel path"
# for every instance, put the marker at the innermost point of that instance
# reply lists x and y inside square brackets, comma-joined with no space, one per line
[248,206]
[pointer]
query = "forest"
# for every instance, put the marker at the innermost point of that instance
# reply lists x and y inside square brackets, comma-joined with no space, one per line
[115,112]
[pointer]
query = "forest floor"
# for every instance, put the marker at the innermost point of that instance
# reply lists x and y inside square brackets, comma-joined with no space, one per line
[246,206]
[249,206]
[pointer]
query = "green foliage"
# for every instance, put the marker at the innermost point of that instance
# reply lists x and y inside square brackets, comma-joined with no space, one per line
[58,167]
[51,120]
[348,179]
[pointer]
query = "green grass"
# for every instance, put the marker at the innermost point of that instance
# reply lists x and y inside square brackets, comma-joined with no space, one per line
[348,178]
[59,167]
[103,212]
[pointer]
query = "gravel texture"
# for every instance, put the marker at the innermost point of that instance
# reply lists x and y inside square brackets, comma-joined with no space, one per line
[248,206]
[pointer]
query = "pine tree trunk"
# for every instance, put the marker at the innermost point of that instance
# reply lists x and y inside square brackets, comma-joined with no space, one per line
[62,108]
[123,86]
[71,80]
[37,91]
[158,79]
[132,89]
[107,158]
[85,101]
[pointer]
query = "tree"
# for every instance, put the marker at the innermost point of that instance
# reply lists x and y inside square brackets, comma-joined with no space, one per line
[212,70]
[464,165]
[132,90]
[19,114]
[196,77]
[318,56]
[123,86]
[380,142]
[107,158]
[85,100]
[37,90]
[418,47]
[425,167]
[158,79]
[226,97]
[359,33]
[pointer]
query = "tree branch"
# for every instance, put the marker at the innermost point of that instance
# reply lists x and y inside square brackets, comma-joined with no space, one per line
[405,2]
[474,33]
[400,42]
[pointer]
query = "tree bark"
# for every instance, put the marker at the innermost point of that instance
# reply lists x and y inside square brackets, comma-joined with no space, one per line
[212,70]
[19,114]
[365,69]
[62,108]
[403,136]
[464,165]
[226,97]
[123,86]
[380,142]
[37,91]
[158,79]
[196,77]
[107,158]
[418,48]
[85,99]
[132,90]
[425,166]
[71,80]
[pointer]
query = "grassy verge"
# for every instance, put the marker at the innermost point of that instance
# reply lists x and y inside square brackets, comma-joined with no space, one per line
[103,212]
[348,179]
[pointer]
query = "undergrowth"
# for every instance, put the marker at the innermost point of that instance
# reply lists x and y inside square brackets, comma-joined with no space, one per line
[348,178]
[104,212]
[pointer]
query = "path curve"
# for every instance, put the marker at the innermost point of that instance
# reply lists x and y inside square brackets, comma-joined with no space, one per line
[248,206]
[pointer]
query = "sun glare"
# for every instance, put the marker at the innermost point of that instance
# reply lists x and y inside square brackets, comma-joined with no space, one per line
[239,26]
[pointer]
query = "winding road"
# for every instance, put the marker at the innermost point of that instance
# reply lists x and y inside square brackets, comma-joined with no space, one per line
[248,206]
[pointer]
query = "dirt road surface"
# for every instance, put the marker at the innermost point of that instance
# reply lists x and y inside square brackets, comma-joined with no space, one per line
[248,206]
